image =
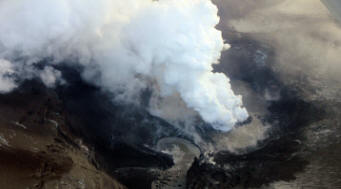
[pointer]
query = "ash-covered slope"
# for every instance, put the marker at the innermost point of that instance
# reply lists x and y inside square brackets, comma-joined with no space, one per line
[295,78]
[301,144]
[37,149]
[122,136]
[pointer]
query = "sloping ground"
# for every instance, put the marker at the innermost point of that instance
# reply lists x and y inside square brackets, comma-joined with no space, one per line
[285,44]
[121,136]
[37,149]
[302,148]
[301,152]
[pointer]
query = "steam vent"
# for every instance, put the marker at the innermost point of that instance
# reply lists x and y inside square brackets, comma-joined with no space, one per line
[170,94]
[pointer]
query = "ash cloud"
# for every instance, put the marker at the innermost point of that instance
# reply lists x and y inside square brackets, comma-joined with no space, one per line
[305,35]
[125,46]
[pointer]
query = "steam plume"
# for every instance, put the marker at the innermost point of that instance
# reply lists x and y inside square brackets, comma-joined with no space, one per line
[124,45]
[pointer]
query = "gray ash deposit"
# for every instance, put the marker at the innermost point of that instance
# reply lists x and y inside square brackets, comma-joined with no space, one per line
[302,107]
[279,156]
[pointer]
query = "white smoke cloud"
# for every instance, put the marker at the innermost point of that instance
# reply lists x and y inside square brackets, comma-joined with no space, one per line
[125,45]
[6,82]
[49,76]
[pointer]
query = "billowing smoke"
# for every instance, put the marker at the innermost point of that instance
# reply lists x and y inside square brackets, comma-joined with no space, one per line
[6,83]
[125,46]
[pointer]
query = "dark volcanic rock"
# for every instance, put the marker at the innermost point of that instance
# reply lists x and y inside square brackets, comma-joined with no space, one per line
[276,161]
[205,175]
[139,178]
[37,149]
[120,134]
[279,157]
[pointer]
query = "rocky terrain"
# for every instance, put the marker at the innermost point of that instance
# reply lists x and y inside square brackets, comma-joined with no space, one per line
[301,149]
[37,149]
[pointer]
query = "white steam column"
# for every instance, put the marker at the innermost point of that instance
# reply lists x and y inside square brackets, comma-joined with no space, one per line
[122,44]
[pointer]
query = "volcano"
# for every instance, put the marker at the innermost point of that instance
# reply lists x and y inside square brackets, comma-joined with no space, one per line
[170,94]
